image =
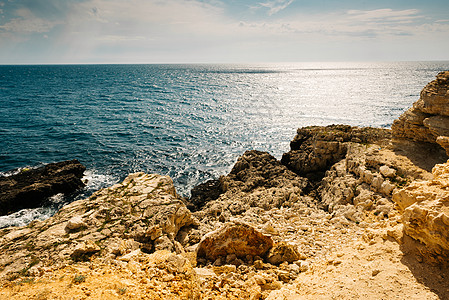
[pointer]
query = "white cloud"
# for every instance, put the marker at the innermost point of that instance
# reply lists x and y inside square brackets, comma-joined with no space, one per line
[384,15]
[381,23]
[198,30]
[26,23]
[276,6]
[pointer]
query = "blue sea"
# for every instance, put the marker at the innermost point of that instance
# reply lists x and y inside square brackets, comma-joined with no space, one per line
[187,121]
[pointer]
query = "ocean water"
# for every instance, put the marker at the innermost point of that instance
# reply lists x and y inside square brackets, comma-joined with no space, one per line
[187,121]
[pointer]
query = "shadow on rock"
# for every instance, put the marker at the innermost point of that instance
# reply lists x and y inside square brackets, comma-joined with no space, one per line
[426,268]
[423,155]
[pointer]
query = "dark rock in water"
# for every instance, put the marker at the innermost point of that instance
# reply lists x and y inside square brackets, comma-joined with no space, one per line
[314,149]
[30,188]
[203,193]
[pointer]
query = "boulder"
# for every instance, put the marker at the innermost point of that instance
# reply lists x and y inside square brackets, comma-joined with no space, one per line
[31,187]
[257,180]
[234,238]
[84,250]
[75,223]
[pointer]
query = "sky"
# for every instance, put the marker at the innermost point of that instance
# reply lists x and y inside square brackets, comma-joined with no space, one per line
[220,31]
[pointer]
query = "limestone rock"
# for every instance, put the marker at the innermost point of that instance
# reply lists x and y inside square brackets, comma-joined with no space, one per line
[438,125]
[443,141]
[434,97]
[410,126]
[427,120]
[75,223]
[84,250]
[257,180]
[387,171]
[30,188]
[256,169]
[234,238]
[142,213]
[425,209]
[283,252]
[316,148]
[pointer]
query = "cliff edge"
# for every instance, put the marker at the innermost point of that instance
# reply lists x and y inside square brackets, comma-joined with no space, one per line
[428,120]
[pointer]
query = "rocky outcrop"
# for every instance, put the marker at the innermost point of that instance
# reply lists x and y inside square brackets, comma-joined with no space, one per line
[428,119]
[256,169]
[31,187]
[314,149]
[143,213]
[425,207]
[257,180]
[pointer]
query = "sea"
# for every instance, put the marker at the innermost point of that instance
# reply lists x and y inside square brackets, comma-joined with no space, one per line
[188,121]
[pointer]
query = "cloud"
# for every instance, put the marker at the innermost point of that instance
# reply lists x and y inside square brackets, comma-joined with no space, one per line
[26,22]
[276,6]
[121,38]
[199,30]
[380,23]
[384,15]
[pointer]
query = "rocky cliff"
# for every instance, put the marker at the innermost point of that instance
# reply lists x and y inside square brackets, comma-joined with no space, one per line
[428,119]
[348,213]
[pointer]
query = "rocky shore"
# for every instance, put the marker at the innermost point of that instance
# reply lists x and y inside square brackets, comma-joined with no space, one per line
[347,213]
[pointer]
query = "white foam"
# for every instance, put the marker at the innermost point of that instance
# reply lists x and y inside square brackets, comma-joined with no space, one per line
[25,216]
[58,198]
[95,181]
[19,170]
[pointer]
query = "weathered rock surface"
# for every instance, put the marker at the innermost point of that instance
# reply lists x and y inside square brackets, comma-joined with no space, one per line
[237,239]
[434,97]
[427,120]
[160,275]
[144,212]
[425,206]
[314,149]
[30,188]
[256,169]
[258,181]
[203,193]
[283,252]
